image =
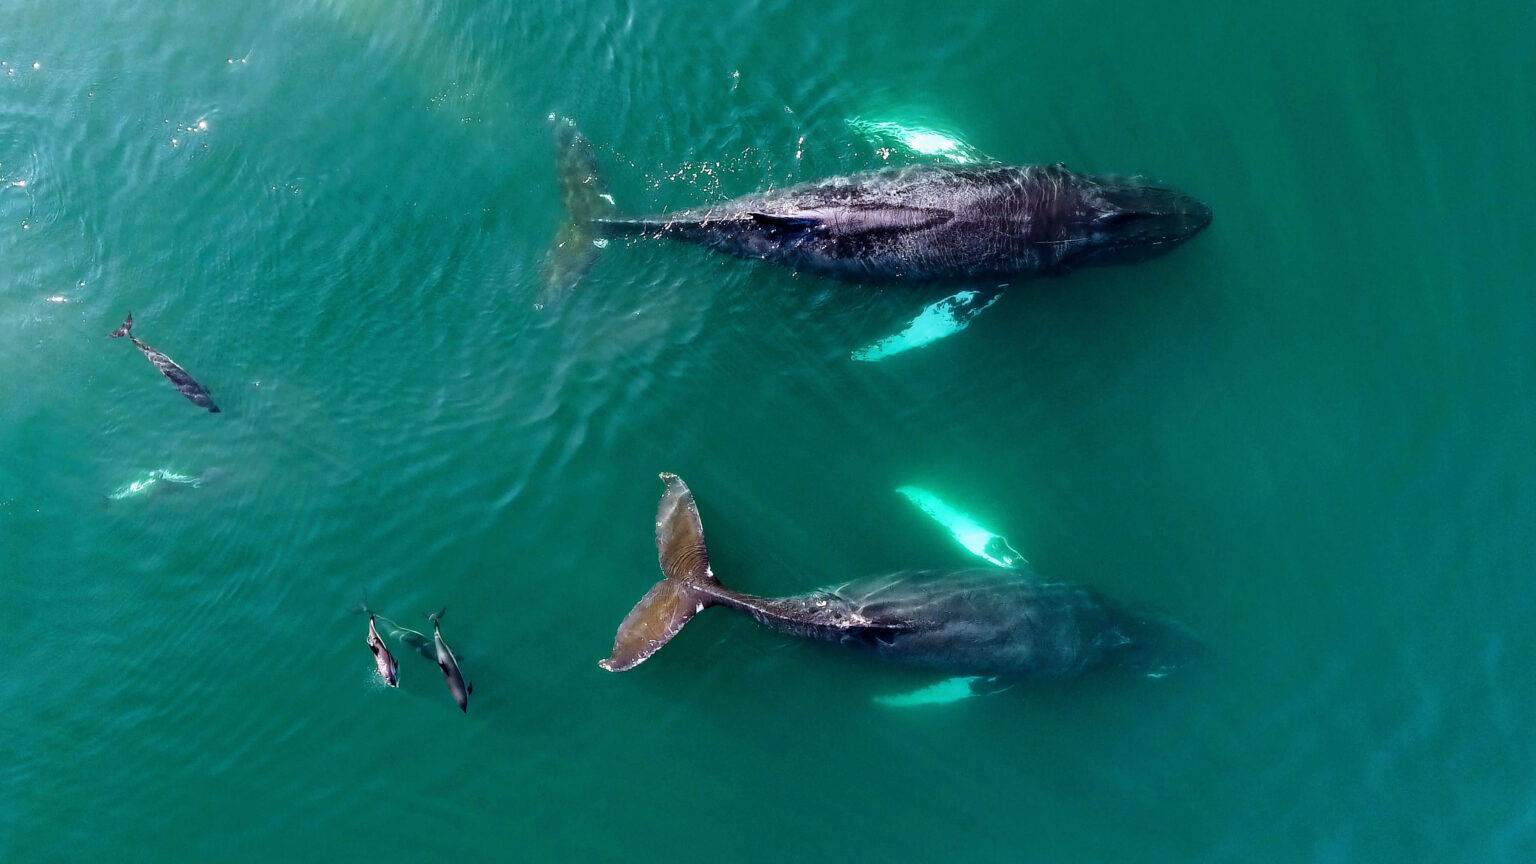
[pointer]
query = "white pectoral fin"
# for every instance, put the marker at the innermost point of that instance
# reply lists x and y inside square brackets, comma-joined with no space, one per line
[937,320]
[944,692]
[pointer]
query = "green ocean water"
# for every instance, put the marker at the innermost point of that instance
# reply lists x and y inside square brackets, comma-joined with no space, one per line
[1307,434]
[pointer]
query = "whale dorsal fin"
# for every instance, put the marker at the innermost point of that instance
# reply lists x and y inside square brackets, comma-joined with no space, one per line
[873,218]
[785,223]
[858,219]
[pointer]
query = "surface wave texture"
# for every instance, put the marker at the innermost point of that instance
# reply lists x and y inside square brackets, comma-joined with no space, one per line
[1307,434]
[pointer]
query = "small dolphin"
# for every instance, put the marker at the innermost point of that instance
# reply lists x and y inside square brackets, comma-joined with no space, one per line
[982,623]
[177,375]
[917,224]
[389,670]
[416,641]
[449,664]
[157,481]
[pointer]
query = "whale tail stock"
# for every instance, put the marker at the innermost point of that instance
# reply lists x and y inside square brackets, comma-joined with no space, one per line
[585,202]
[684,590]
[123,330]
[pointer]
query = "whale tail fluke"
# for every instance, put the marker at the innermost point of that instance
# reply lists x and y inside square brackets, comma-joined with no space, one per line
[585,201]
[684,590]
[123,330]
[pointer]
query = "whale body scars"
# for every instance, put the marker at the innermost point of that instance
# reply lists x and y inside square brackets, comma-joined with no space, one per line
[920,223]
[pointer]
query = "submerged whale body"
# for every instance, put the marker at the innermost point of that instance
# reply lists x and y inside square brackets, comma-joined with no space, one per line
[923,223]
[983,622]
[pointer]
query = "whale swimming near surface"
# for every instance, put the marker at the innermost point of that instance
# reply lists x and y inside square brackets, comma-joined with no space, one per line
[976,623]
[174,373]
[921,223]
[449,664]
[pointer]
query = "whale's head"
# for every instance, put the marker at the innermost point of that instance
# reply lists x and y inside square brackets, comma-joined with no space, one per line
[1120,221]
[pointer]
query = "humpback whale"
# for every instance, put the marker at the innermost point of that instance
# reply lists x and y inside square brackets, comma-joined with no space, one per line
[450,665]
[974,623]
[174,373]
[921,223]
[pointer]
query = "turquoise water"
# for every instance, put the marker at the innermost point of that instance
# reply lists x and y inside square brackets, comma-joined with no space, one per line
[1307,434]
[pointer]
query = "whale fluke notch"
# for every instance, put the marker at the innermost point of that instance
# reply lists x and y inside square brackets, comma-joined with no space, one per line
[585,201]
[682,592]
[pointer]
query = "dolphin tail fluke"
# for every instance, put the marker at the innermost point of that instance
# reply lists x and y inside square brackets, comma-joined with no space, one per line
[586,202]
[437,616]
[685,587]
[123,330]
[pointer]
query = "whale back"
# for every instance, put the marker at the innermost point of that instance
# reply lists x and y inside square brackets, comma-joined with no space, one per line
[916,222]
[998,623]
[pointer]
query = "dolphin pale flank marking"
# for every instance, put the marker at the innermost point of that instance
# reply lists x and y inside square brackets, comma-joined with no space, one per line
[389,670]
